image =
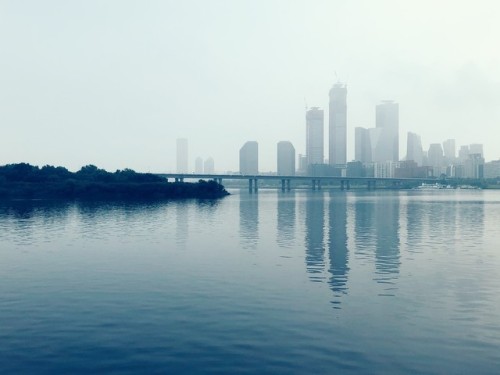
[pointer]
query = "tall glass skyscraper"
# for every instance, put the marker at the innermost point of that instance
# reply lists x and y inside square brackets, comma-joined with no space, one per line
[285,158]
[414,149]
[337,145]
[387,120]
[182,155]
[249,158]
[314,136]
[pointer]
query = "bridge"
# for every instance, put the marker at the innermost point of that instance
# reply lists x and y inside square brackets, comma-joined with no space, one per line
[316,181]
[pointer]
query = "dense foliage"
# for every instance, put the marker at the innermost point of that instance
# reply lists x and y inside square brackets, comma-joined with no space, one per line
[25,181]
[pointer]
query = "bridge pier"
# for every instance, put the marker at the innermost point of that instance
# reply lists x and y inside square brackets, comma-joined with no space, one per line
[371,185]
[345,185]
[220,181]
[282,185]
[288,185]
[316,184]
[252,185]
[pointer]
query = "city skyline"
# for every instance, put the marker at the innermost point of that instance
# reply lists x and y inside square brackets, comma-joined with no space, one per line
[111,91]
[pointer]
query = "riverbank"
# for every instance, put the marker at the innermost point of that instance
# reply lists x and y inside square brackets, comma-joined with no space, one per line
[24,181]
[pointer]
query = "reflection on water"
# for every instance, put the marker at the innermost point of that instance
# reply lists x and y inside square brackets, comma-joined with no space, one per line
[387,242]
[314,237]
[337,243]
[412,277]
[182,223]
[249,221]
[286,220]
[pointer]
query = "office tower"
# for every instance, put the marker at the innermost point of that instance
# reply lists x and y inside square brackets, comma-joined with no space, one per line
[376,145]
[314,136]
[249,158]
[182,155]
[362,145]
[463,153]
[492,169]
[435,155]
[387,119]
[476,148]
[286,159]
[474,166]
[414,148]
[337,152]
[302,164]
[209,166]
[198,165]
[449,150]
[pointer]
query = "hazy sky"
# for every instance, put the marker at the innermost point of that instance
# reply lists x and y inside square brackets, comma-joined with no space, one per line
[114,83]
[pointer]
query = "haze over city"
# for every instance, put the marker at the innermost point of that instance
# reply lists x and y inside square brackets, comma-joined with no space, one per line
[115,83]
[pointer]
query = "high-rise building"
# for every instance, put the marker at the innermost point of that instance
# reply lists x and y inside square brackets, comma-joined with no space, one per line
[414,148]
[492,169]
[449,150]
[474,166]
[302,159]
[286,159]
[435,158]
[314,136]
[182,155]
[463,153]
[376,145]
[198,165]
[209,166]
[476,148]
[337,151]
[249,158]
[387,119]
[362,145]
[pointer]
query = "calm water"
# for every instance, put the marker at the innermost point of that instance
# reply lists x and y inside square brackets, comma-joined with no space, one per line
[300,282]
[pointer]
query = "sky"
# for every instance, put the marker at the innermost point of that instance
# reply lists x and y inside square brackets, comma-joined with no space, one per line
[114,83]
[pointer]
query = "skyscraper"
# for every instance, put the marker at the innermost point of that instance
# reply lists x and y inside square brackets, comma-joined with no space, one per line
[209,166]
[362,145]
[249,158]
[414,149]
[182,155]
[463,153]
[337,145]
[387,119]
[435,155]
[449,150]
[476,148]
[314,136]
[286,159]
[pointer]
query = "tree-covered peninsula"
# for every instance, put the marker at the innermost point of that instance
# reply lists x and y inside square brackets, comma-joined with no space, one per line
[25,181]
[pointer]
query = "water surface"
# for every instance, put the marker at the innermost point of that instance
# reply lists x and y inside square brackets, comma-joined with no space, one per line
[297,282]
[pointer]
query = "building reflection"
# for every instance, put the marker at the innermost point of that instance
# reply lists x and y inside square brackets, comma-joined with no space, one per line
[387,256]
[314,237]
[337,243]
[364,228]
[182,223]
[249,220]
[470,220]
[415,213]
[286,220]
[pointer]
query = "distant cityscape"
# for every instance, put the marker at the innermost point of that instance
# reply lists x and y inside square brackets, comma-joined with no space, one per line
[376,150]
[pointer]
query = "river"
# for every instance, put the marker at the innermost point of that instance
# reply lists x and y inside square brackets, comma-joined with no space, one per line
[300,282]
